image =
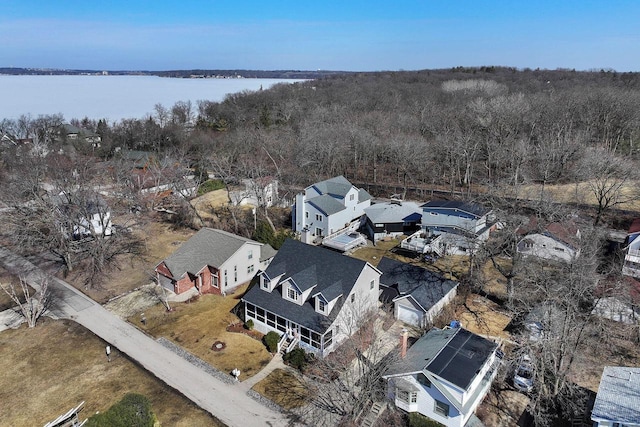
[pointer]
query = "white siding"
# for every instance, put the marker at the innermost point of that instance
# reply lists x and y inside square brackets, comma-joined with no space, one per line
[240,262]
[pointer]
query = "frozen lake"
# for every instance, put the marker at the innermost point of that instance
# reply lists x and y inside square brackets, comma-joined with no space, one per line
[111,97]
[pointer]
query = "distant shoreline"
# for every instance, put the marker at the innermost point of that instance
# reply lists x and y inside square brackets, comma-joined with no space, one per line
[193,74]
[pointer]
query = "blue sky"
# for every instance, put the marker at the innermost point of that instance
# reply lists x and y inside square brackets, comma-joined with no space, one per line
[354,35]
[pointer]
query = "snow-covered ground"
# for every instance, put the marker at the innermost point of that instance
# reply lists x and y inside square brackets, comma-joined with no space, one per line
[112,97]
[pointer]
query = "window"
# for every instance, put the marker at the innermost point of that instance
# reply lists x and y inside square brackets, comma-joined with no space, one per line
[235,273]
[372,285]
[328,339]
[250,269]
[559,249]
[214,279]
[433,213]
[407,396]
[318,231]
[351,197]
[292,294]
[306,214]
[250,256]
[265,283]
[321,306]
[441,408]
[318,217]
[353,298]
[226,278]
[422,379]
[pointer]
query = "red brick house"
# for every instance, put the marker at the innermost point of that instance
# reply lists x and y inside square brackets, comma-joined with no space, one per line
[213,261]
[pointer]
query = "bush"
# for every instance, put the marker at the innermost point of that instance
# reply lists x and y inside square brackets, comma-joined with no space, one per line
[271,341]
[249,324]
[298,358]
[134,410]
[419,420]
[210,185]
[264,234]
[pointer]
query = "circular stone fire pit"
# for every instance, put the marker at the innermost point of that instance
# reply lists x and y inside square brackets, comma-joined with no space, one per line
[218,346]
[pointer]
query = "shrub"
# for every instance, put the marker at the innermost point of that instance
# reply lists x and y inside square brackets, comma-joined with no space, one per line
[249,324]
[298,358]
[134,410]
[210,185]
[271,341]
[419,420]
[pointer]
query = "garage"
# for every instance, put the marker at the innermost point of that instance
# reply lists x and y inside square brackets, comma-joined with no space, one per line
[166,282]
[409,315]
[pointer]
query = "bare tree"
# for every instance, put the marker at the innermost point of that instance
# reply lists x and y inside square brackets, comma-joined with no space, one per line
[30,305]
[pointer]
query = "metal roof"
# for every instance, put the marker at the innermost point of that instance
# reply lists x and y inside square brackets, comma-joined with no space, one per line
[472,208]
[618,397]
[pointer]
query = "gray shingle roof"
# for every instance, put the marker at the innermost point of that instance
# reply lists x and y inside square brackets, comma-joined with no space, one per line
[363,195]
[338,186]
[327,204]
[618,397]
[392,212]
[207,247]
[425,286]
[266,252]
[472,208]
[334,274]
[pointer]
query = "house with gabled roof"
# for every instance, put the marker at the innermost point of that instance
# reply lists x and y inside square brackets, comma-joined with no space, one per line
[617,403]
[451,227]
[327,207]
[444,375]
[392,219]
[558,241]
[417,294]
[315,296]
[213,261]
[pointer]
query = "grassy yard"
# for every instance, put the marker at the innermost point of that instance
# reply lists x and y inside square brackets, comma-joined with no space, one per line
[198,324]
[7,279]
[51,368]
[160,240]
[283,388]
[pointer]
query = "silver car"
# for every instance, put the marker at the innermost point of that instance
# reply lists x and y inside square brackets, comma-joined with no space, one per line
[524,374]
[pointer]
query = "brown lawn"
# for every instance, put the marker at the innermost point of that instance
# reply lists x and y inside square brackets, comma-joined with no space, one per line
[51,368]
[482,316]
[196,325]
[283,388]
[9,280]
[160,240]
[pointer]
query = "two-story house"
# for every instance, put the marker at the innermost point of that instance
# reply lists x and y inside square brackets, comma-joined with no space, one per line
[617,403]
[316,296]
[444,375]
[451,227]
[327,207]
[213,261]
[392,219]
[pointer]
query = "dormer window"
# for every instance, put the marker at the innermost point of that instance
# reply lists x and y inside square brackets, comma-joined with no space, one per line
[321,305]
[292,294]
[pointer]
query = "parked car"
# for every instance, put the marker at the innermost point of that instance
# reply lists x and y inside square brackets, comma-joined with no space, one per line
[524,374]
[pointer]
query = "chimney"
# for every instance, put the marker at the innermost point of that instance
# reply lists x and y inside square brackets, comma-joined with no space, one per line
[403,343]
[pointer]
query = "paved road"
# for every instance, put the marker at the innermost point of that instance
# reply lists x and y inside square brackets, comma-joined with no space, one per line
[228,403]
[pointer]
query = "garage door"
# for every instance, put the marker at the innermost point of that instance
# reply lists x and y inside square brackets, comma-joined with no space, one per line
[409,315]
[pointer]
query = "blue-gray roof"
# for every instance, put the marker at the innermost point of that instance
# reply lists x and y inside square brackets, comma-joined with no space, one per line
[472,208]
[338,186]
[331,273]
[618,397]
[391,212]
[455,355]
[327,204]
[425,286]
[207,247]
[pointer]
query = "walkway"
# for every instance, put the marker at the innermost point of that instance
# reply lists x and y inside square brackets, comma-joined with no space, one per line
[230,404]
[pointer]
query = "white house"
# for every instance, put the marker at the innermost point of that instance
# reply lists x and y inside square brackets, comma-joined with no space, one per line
[262,192]
[327,207]
[617,403]
[213,261]
[312,295]
[444,375]
[451,227]
[557,242]
[417,294]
